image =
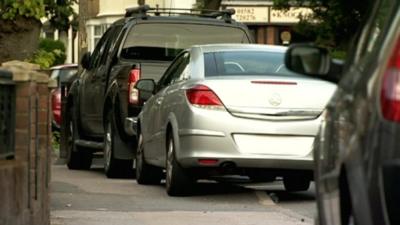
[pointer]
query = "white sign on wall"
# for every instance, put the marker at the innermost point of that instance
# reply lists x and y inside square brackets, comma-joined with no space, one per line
[289,16]
[251,14]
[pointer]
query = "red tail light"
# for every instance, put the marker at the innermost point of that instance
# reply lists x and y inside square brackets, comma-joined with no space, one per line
[201,95]
[133,93]
[208,162]
[56,105]
[390,93]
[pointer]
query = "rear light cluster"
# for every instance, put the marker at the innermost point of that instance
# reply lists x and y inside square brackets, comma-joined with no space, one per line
[56,105]
[390,92]
[133,93]
[203,96]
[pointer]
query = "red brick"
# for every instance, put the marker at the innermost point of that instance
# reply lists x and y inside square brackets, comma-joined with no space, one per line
[21,122]
[22,104]
[43,89]
[43,102]
[24,89]
[43,128]
[21,138]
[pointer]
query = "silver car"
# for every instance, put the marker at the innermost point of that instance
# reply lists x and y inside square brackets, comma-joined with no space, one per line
[229,109]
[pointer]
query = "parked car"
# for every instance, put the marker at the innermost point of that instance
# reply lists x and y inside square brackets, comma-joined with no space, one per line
[103,103]
[357,150]
[229,109]
[60,73]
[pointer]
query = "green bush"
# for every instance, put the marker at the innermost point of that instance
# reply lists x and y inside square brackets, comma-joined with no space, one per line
[10,9]
[43,58]
[50,53]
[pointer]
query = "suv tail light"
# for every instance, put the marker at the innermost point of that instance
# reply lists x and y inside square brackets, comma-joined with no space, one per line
[203,96]
[390,93]
[133,93]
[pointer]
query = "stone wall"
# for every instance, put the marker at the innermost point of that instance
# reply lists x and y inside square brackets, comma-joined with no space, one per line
[24,180]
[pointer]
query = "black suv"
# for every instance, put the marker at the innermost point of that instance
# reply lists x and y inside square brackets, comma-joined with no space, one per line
[357,150]
[102,104]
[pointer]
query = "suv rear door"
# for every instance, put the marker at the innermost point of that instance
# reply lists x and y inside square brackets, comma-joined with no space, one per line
[95,82]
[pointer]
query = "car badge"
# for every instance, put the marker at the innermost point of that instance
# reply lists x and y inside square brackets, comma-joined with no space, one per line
[275,99]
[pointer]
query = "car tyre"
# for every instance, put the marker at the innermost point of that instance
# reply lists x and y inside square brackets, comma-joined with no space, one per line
[113,167]
[78,157]
[177,180]
[146,173]
[296,183]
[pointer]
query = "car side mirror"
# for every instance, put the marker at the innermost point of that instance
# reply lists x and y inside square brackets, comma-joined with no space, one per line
[146,88]
[313,61]
[85,61]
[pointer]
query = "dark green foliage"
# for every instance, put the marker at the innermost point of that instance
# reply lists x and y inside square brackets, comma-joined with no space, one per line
[49,45]
[50,53]
[59,13]
[10,9]
[333,23]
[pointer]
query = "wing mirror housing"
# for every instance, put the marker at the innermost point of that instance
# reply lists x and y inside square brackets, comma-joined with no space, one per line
[146,88]
[85,60]
[313,61]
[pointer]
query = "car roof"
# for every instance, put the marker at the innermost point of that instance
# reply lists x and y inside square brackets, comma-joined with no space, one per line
[239,47]
[179,19]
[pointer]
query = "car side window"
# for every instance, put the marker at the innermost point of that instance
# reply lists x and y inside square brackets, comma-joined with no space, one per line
[182,70]
[174,70]
[96,57]
[109,43]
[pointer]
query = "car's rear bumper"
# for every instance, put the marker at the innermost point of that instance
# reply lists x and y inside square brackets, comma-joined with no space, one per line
[197,145]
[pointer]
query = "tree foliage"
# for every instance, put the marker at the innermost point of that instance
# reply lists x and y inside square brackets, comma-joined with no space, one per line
[60,12]
[333,22]
[50,53]
[10,9]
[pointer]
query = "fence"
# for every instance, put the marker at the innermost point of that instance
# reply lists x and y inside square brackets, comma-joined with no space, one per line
[7,115]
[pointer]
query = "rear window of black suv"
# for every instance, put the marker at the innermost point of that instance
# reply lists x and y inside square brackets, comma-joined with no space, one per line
[163,41]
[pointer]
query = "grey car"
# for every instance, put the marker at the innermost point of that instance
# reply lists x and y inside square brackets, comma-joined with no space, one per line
[357,150]
[229,109]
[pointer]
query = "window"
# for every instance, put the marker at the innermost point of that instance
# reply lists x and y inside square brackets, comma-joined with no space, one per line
[176,72]
[246,63]
[98,31]
[166,41]
[98,51]
[7,118]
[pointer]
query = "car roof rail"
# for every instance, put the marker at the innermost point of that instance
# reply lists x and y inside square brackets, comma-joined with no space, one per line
[140,11]
[143,10]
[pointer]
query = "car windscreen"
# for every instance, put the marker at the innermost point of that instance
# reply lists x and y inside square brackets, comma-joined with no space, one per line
[63,75]
[246,63]
[164,41]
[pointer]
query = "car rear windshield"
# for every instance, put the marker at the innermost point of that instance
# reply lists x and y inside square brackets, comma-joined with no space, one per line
[165,41]
[246,63]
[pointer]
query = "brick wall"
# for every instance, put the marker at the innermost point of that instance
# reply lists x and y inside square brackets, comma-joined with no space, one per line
[24,180]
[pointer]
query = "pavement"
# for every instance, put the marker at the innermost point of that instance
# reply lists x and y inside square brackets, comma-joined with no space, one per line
[89,198]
